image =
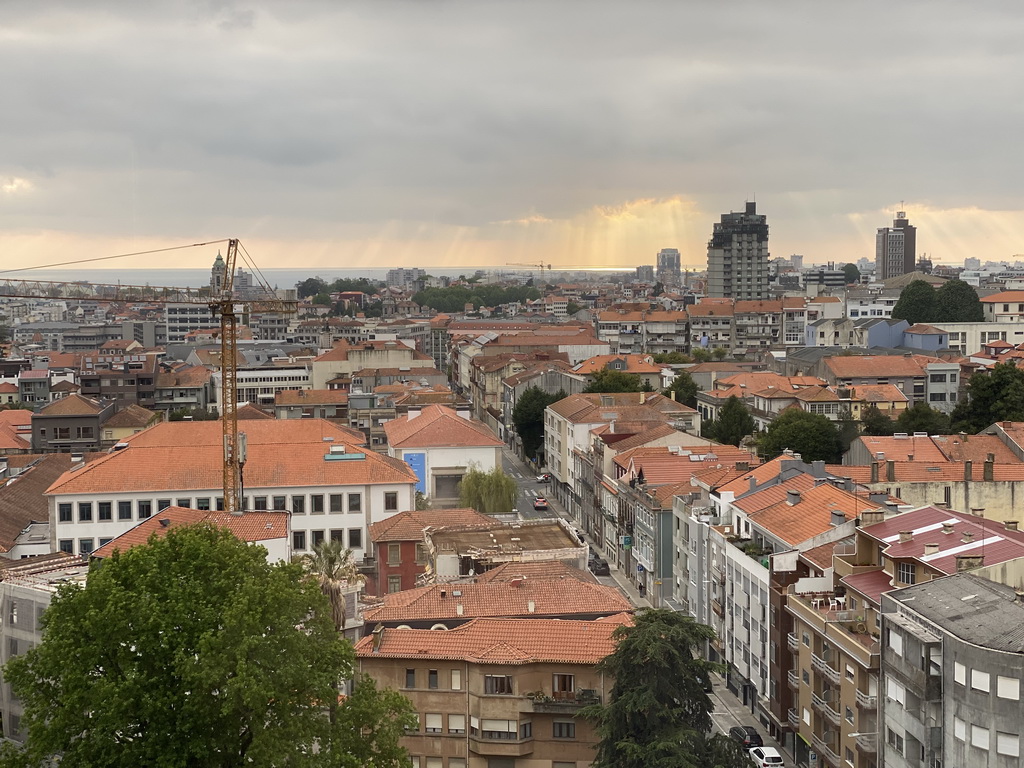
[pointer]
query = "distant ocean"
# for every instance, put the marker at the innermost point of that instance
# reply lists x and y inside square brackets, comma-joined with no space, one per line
[195,278]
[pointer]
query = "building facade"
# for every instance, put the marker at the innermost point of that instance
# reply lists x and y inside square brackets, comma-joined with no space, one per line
[895,248]
[738,256]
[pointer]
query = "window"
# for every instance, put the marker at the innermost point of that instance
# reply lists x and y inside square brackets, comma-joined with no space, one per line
[259,503]
[355,538]
[298,505]
[421,554]
[105,510]
[85,433]
[394,584]
[416,726]
[66,545]
[806,640]
[145,509]
[62,433]
[937,378]
[562,684]
[959,729]
[104,542]
[280,503]
[499,729]
[937,397]
[84,511]
[394,554]
[431,678]
[906,573]
[849,715]
[979,737]
[355,502]
[163,504]
[960,673]
[979,680]
[806,677]
[456,723]
[456,762]
[498,684]
[315,538]
[896,642]
[84,546]
[435,762]
[298,540]
[337,503]
[895,692]
[526,730]
[1008,744]
[124,510]
[391,501]
[410,678]
[895,740]
[64,514]
[434,723]
[456,679]
[1008,688]
[317,504]
[203,503]
[563,729]
[220,503]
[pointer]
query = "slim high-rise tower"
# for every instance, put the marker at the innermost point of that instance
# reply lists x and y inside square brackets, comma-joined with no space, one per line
[895,248]
[668,266]
[738,256]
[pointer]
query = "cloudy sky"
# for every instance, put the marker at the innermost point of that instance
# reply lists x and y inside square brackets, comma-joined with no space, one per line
[434,132]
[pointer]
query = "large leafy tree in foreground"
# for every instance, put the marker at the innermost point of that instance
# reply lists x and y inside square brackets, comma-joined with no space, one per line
[658,714]
[528,417]
[996,395]
[191,650]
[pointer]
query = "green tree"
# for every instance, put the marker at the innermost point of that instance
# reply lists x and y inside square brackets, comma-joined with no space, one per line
[734,423]
[851,273]
[371,723]
[920,417]
[191,650]
[195,414]
[493,493]
[528,417]
[658,713]
[311,286]
[685,388]
[811,435]
[607,380]
[670,358]
[991,396]
[336,572]
[875,422]
[572,308]
[916,304]
[323,299]
[958,302]
[701,355]
[719,353]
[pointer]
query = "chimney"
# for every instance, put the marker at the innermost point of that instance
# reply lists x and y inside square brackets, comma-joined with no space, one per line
[874,471]
[931,548]
[967,538]
[947,528]
[792,497]
[818,468]
[872,516]
[968,470]
[990,462]
[753,483]
[517,581]
[531,606]
[459,610]
[444,593]
[378,637]
[1010,525]
[967,562]
[838,518]
[890,471]
[743,466]
[906,536]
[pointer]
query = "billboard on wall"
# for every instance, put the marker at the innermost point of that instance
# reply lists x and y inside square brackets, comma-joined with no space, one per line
[418,462]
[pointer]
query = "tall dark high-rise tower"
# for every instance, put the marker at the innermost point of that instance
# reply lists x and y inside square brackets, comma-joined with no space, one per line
[738,256]
[895,248]
[669,266]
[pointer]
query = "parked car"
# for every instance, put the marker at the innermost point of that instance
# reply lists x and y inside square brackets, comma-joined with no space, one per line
[766,757]
[545,478]
[747,735]
[540,503]
[598,567]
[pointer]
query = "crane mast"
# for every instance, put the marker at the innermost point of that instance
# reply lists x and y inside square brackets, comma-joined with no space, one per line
[225,306]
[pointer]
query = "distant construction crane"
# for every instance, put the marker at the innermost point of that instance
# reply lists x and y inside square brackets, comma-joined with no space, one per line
[225,304]
[541,267]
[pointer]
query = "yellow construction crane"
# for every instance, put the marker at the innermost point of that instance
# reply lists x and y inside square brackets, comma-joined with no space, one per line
[225,304]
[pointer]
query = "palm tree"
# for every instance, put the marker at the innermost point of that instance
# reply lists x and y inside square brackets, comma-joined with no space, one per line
[335,570]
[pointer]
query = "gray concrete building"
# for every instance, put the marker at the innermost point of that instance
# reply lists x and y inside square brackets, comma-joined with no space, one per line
[738,256]
[895,248]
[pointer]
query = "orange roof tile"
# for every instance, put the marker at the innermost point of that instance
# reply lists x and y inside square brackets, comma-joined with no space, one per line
[550,598]
[310,397]
[187,455]
[72,405]
[881,366]
[1003,296]
[634,364]
[922,449]
[438,426]
[252,526]
[502,641]
[540,569]
[409,526]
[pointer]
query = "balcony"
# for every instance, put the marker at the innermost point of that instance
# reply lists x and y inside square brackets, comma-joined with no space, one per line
[824,708]
[794,679]
[563,702]
[793,641]
[824,750]
[823,667]
[840,628]
[500,747]
[794,718]
[867,742]
[864,701]
[716,606]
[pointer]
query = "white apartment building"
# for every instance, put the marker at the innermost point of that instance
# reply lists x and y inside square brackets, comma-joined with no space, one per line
[332,486]
[260,386]
[181,319]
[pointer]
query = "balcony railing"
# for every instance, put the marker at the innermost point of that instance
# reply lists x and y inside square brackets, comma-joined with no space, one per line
[865,701]
[563,701]
[794,718]
[794,679]
[793,641]
[824,750]
[867,742]
[833,715]
[823,667]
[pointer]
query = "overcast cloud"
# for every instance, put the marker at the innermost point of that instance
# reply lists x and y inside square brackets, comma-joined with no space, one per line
[431,132]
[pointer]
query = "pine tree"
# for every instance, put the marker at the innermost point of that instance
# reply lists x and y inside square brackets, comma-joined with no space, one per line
[734,423]
[875,422]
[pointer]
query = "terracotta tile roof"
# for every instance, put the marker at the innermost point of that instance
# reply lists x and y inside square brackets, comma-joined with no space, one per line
[634,364]
[760,474]
[188,377]
[187,455]
[821,556]
[825,300]
[871,584]
[65,386]
[15,430]
[72,405]
[878,393]
[927,472]
[661,466]
[816,395]
[408,373]
[502,641]
[714,477]
[550,597]
[650,434]
[626,406]
[923,449]
[880,366]
[710,309]
[812,515]
[925,329]
[310,397]
[755,501]
[250,412]
[757,381]
[437,426]
[541,569]
[975,448]
[7,388]
[1003,296]
[757,307]
[131,416]
[409,526]
[251,527]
